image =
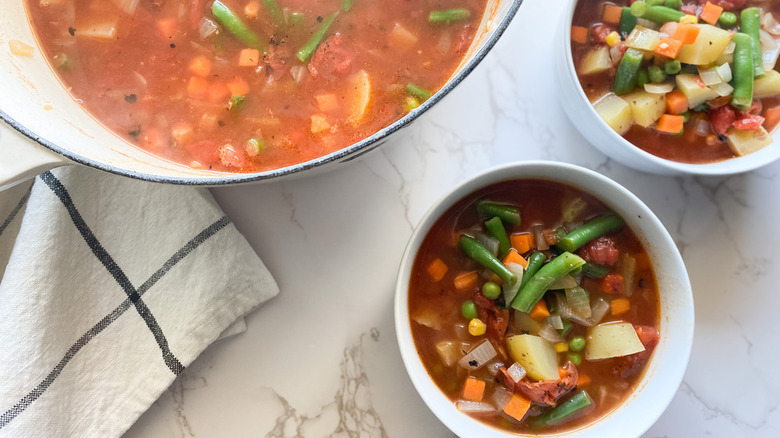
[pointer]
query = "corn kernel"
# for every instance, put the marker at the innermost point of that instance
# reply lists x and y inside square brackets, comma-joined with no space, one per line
[561,347]
[477,327]
[613,38]
[689,19]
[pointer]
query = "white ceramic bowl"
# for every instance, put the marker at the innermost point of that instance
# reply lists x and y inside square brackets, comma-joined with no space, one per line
[664,372]
[585,118]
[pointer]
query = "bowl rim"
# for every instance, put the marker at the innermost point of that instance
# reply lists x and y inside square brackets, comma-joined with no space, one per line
[726,167]
[662,378]
[345,154]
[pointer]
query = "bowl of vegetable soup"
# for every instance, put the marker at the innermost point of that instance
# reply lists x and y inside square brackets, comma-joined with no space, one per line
[226,91]
[674,86]
[542,298]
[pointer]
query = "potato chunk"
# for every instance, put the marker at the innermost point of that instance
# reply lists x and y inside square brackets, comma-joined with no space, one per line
[707,48]
[596,61]
[616,112]
[694,90]
[747,142]
[646,108]
[536,355]
[767,85]
[612,339]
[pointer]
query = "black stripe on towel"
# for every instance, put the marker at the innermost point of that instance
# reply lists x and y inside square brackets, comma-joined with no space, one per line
[27,400]
[15,211]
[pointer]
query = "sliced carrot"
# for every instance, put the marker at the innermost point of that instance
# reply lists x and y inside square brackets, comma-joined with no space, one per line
[496,279]
[218,92]
[200,66]
[466,280]
[514,257]
[710,13]
[676,102]
[686,33]
[671,124]
[583,379]
[252,9]
[327,102]
[579,34]
[522,242]
[620,306]
[612,14]
[669,47]
[473,389]
[517,407]
[238,87]
[248,58]
[197,87]
[539,312]
[437,269]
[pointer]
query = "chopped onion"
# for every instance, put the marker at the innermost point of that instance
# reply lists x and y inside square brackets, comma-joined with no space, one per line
[724,71]
[472,407]
[298,72]
[702,127]
[769,50]
[516,372]
[598,310]
[648,24]
[541,244]
[428,318]
[573,208]
[555,321]
[709,76]
[627,268]
[525,324]
[444,43]
[615,53]
[550,334]
[488,242]
[510,290]
[448,352]
[479,356]
[206,28]
[501,397]
[128,6]
[770,24]
[565,282]
[723,89]
[493,367]
[663,88]
[578,300]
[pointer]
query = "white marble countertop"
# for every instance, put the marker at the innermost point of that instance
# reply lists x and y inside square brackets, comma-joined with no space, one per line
[321,359]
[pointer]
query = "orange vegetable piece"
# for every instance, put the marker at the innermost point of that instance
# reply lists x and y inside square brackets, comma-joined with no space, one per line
[437,269]
[612,14]
[248,58]
[514,257]
[197,87]
[252,9]
[583,379]
[473,389]
[669,47]
[676,102]
[772,118]
[218,92]
[670,124]
[620,306]
[521,242]
[327,102]
[579,34]
[613,284]
[238,87]
[539,312]
[686,33]
[517,407]
[466,280]
[710,13]
[200,66]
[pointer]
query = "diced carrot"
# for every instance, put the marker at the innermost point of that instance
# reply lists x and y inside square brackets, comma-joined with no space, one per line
[166,27]
[582,379]
[521,242]
[669,47]
[562,372]
[671,124]
[200,66]
[612,14]
[319,123]
[514,257]
[238,87]
[197,87]
[218,92]
[496,279]
[686,33]
[711,13]
[473,389]
[248,58]
[676,102]
[620,306]
[579,34]
[772,116]
[252,9]
[327,102]
[517,407]
[466,280]
[437,269]
[539,312]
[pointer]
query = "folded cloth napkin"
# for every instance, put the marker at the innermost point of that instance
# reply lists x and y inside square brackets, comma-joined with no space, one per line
[110,288]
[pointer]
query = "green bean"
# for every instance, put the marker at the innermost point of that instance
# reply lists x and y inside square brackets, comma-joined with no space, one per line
[418,92]
[236,102]
[657,14]
[591,230]
[674,4]
[751,24]
[496,229]
[469,310]
[491,290]
[308,49]
[534,290]
[507,213]
[448,15]
[593,270]
[234,25]
[277,16]
[627,22]
[655,2]
[628,71]
[657,75]
[346,5]
[577,343]
[672,67]
[727,20]
[484,257]
[742,97]
[564,411]
[643,77]
[535,262]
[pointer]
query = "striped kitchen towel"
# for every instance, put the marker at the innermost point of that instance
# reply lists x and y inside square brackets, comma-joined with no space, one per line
[109,288]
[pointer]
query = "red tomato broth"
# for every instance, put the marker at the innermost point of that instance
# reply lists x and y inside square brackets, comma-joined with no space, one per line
[136,83]
[685,148]
[439,301]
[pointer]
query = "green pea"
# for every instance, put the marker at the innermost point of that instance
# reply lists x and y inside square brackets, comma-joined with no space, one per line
[575,358]
[491,290]
[577,343]
[469,309]
[642,79]
[727,20]
[672,67]
[657,75]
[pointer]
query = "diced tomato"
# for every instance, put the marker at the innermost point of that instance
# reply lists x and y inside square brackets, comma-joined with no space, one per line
[722,118]
[613,284]
[331,58]
[600,33]
[689,9]
[601,251]
[748,122]
[648,336]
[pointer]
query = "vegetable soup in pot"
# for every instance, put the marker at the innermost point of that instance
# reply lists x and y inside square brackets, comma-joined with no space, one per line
[252,85]
[533,307]
[691,81]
